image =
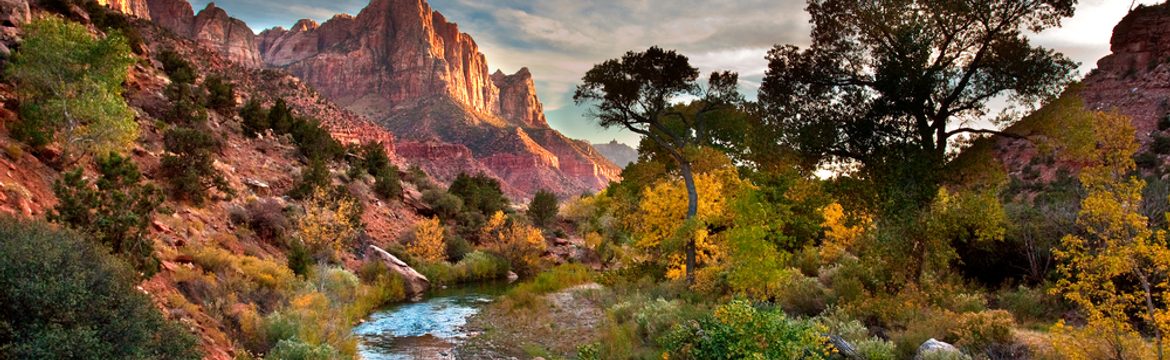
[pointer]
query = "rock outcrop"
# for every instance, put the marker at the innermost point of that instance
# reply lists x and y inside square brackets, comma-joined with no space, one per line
[934,349]
[211,27]
[416,284]
[137,8]
[1135,78]
[406,67]
[620,154]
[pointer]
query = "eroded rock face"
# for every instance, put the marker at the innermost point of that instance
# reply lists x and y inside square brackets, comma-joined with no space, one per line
[211,27]
[1135,78]
[518,100]
[138,8]
[413,72]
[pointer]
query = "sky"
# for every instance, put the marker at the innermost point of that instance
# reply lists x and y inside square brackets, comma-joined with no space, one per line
[559,40]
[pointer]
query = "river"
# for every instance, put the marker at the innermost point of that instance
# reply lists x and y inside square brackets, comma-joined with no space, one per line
[428,329]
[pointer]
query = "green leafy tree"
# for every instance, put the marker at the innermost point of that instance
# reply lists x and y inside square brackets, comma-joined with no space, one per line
[542,210]
[70,88]
[635,92]
[188,104]
[888,84]
[479,193]
[116,209]
[67,298]
[387,184]
[190,166]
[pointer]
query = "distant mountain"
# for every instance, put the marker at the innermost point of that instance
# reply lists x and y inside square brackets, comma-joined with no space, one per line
[620,154]
[405,67]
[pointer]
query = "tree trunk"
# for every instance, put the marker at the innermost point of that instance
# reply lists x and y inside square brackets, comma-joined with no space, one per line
[1150,309]
[692,210]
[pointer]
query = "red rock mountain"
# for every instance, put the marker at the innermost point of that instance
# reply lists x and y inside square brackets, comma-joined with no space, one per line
[1135,78]
[404,66]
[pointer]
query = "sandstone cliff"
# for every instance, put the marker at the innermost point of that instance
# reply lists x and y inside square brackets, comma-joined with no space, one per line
[406,67]
[1135,78]
[211,27]
[137,8]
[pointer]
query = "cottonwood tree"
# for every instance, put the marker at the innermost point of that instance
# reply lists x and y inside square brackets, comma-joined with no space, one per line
[639,92]
[1118,268]
[888,84]
[70,88]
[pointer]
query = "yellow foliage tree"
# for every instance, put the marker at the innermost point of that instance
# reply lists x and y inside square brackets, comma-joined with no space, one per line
[660,227]
[428,242]
[522,245]
[327,224]
[839,235]
[1119,268]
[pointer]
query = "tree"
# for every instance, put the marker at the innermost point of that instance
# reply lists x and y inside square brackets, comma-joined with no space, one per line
[70,88]
[428,244]
[889,84]
[1117,269]
[635,92]
[190,166]
[116,209]
[66,298]
[386,183]
[280,118]
[480,193]
[520,244]
[313,177]
[543,208]
[328,224]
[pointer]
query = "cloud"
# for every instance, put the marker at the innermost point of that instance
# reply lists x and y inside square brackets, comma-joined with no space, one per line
[559,40]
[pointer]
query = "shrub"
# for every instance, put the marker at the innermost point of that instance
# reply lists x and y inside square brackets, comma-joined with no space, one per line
[267,219]
[115,210]
[221,93]
[555,279]
[386,183]
[444,205]
[292,349]
[300,261]
[1031,305]
[188,104]
[479,193]
[280,118]
[427,241]
[255,118]
[314,177]
[176,67]
[1161,145]
[457,248]
[739,331]
[542,210]
[978,331]
[521,244]
[481,266]
[86,114]
[314,142]
[65,298]
[190,170]
[329,224]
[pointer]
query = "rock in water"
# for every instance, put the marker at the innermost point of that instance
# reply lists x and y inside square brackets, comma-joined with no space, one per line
[416,284]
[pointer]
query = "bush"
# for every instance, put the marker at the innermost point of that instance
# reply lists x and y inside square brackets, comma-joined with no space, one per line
[267,219]
[1031,305]
[457,248]
[314,142]
[313,177]
[255,118]
[444,205]
[116,210]
[387,185]
[188,104]
[479,193]
[739,331]
[190,170]
[1161,145]
[65,298]
[280,118]
[221,93]
[542,210]
[976,332]
[176,67]
[292,349]
[300,261]
[521,244]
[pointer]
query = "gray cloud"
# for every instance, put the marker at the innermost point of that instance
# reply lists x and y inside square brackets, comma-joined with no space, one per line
[561,39]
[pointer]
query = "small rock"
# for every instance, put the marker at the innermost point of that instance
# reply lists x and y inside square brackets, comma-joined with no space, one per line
[935,346]
[512,277]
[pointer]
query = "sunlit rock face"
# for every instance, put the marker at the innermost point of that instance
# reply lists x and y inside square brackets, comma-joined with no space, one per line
[405,66]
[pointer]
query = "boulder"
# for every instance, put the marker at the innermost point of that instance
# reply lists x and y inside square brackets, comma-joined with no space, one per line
[935,346]
[416,284]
